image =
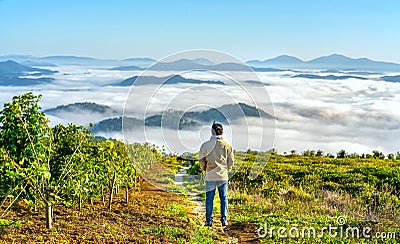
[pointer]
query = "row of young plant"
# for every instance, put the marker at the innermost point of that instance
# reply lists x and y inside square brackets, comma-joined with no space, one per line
[43,165]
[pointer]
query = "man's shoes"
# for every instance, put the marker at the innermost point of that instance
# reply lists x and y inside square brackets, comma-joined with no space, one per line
[224,223]
[208,224]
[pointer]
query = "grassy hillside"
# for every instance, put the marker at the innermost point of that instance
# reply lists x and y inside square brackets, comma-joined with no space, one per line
[310,191]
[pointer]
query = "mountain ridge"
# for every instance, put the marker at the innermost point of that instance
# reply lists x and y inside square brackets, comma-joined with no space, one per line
[333,61]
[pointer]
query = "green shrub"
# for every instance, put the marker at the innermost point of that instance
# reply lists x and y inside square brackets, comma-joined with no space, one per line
[195,169]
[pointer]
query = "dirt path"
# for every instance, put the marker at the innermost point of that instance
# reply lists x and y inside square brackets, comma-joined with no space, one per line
[195,197]
[235,232]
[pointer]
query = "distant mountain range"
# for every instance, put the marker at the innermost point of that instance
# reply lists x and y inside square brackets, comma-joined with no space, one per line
[332,62]
[127,68]
[152,80]
[77,61]
[187,64]
[283,62]
[329,77]
[395,78]
[15,74]
[198,64]
[37,64]
[126,64]
[139,62]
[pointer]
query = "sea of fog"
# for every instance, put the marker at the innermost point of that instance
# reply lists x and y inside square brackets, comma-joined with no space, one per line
[352,114]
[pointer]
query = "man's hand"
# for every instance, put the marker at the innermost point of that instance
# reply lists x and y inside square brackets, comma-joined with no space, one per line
[203,163]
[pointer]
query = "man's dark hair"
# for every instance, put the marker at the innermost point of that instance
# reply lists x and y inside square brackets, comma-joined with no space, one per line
[217,128]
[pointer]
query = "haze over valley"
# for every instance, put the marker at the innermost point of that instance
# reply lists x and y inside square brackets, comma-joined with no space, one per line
[329,103]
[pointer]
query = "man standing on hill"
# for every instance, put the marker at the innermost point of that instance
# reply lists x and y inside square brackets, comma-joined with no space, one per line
[216,158]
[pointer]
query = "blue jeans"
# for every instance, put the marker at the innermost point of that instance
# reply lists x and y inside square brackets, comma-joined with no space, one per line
[223,198]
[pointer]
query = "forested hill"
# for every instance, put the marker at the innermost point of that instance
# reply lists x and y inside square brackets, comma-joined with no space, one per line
[151,80]
[81,106]
[15,74]
[184,120]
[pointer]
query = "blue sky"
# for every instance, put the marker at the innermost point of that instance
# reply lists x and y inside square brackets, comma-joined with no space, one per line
[246,29]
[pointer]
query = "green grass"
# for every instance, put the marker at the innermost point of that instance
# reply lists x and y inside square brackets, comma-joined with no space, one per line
[9,223]
[178,210]
[204,235]
[199,235]
[195,186]
[172,163]
[173,233]
[112,229]
[166,180]
[314,191]
[177,189]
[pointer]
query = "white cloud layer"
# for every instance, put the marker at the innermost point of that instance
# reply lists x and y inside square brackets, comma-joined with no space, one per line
[355,115]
